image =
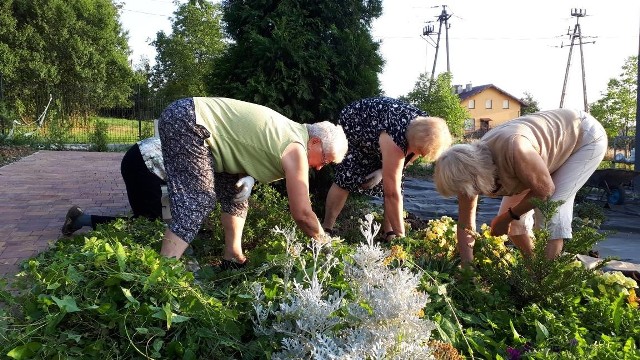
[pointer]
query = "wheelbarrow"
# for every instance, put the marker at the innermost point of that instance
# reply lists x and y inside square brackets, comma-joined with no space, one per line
[613,182]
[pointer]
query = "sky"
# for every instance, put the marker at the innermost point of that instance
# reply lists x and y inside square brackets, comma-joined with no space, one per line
[518,46]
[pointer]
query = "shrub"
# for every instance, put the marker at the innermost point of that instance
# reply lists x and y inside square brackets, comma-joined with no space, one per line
[110,297]
[99,138]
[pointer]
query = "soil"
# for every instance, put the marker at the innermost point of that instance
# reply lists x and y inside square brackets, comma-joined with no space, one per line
[9,154]
[415,222]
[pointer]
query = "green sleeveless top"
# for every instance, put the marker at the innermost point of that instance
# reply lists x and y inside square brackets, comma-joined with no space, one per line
[247,138]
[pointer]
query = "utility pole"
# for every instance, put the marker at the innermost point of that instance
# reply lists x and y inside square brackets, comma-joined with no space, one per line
[428,30]
[577,34]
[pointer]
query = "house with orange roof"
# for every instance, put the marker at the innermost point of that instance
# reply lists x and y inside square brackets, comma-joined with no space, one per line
[488,106]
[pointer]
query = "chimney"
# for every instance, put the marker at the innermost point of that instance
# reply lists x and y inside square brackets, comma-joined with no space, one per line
[457,89]
[468,88]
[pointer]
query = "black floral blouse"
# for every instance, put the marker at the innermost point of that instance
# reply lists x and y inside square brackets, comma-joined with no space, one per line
[363,121]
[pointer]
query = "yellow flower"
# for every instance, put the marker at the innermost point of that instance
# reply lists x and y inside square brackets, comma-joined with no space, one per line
[397,253]
[633,299]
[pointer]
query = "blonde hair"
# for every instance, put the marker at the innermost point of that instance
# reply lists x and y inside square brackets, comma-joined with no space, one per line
[430,136]
[465,169]
[334,140]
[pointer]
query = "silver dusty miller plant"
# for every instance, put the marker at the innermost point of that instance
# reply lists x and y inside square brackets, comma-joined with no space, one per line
[381,321]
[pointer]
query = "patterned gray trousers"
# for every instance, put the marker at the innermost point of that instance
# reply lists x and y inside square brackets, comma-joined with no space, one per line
[193,184]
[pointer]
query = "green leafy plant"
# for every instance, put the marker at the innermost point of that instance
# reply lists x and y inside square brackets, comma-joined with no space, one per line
[99,139]
[57,131]
[420,168]
[7,116]
[267,209]
[100,296]
[588,213]
[513,307]
[109,294]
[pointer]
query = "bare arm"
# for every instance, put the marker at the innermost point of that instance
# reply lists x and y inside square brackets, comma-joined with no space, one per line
[534,174]
[392,166]
[296,168]
[466,221]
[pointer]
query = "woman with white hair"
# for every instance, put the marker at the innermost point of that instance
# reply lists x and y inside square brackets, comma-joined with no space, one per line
[384,135]
[211,140]
[548,155]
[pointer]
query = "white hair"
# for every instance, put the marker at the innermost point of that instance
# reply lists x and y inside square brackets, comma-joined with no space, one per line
[334,141]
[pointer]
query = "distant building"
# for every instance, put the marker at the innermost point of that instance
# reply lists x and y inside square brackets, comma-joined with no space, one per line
[488,105]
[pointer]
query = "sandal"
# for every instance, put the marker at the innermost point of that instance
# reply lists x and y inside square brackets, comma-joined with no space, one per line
[73,213]
[329,232]
[232,264]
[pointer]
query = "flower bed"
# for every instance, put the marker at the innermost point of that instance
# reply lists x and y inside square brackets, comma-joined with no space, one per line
[109,294]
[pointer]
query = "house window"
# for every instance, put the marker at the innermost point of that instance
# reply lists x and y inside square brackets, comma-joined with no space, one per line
[488,104]
[470,124]
[472,104]
[505,104]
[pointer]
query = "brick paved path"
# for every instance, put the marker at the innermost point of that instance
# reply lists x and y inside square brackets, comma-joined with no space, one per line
[37,191]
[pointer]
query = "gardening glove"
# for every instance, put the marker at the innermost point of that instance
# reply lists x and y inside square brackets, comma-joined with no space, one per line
[244,186]
[373,179]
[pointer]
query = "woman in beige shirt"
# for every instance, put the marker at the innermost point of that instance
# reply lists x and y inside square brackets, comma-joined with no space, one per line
[548,155]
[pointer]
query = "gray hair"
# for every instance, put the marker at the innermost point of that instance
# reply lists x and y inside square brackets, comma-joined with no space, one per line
[334,141]
[465,169]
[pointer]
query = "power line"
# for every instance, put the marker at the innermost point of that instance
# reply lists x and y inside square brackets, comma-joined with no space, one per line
[486,38]
[146,13]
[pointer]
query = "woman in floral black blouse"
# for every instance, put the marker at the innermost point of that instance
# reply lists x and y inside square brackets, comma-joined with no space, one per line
[382,132]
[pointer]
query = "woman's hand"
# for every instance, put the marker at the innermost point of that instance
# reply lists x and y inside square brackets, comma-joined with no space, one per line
[500,224]
[373,179]
[244,186]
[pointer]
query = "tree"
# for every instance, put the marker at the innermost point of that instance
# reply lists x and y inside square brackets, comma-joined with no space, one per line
[143,96]
[437,99]
[305,59]
[616,110]
[185,56]
[73,49]
[8,59]
[530,104]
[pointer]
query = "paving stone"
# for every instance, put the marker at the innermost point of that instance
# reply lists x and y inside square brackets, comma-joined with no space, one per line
[37,191]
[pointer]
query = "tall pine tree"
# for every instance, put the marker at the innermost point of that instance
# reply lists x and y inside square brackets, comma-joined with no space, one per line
[305,59]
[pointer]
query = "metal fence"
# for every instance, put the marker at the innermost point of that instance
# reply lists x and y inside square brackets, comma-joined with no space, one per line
[49,123]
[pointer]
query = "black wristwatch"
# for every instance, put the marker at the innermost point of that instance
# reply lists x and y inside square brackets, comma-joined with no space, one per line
[513,215]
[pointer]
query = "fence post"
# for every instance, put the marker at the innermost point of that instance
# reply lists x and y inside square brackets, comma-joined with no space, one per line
[138,107]
[2,124]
